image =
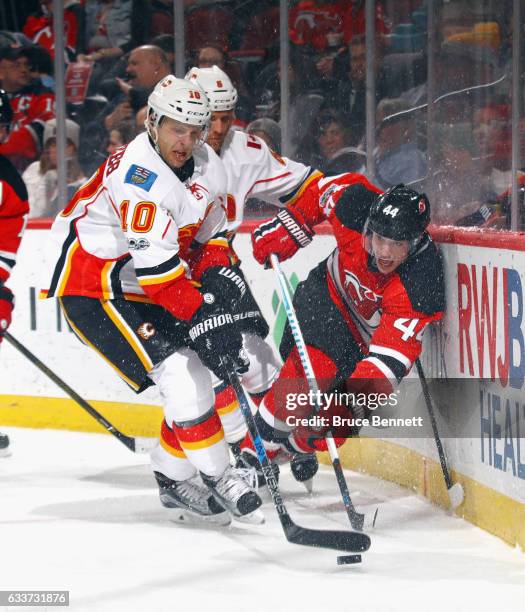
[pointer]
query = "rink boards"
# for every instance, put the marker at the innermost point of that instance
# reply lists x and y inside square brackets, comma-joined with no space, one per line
[480,345]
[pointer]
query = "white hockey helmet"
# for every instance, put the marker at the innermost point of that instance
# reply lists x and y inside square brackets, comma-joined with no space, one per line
[179,100]
[217,86]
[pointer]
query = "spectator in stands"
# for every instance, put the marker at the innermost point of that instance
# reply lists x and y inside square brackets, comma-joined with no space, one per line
[146,66]
[166,42]
[114,27]
[397,156]
[39,27]
[302,78]
[140,119]
[354,20]
[317,23]
[110,82]
[268,130]
[458,189]
[41,176]
[32,104]
[120,135]
[327,146]
[211,55]
[41,66]
[348,91]
[491,131]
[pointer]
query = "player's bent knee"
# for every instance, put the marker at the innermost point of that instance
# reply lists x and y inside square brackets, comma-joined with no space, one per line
[185,386]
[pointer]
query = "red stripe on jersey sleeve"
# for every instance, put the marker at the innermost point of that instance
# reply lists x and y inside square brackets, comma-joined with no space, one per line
[216,252]
[179,297]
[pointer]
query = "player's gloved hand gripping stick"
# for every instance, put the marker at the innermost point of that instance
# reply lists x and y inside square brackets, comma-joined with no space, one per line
[356,518]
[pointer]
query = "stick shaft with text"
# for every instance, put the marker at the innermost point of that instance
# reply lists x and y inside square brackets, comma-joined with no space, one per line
[347,541]
[356,518]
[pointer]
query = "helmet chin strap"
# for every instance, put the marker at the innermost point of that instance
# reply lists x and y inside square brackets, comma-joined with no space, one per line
[152,127]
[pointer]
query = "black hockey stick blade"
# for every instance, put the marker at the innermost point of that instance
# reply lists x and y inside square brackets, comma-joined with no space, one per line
[347,541]
[137,445]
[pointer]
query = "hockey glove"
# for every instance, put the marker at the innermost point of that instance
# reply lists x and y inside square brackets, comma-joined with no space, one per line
[6,308]
[226,283]
[339,419]
[213,334]
[283,235]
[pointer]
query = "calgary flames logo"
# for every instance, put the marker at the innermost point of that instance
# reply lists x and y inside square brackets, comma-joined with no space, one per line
[197,190]
[146,331]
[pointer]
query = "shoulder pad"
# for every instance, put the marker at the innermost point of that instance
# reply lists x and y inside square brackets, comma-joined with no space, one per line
[353,206]
[423,278]
[10,175]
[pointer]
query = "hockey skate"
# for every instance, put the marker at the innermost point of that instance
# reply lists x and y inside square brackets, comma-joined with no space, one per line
[251,471]
[190,501]
[304,467]
[233,493]
[5,450]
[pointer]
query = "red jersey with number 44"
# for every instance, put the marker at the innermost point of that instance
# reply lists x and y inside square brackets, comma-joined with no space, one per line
[387,313]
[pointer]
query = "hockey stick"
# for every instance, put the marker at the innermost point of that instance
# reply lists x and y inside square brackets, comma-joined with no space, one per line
[136,444]
[356,518]
[455,491]
[349,541]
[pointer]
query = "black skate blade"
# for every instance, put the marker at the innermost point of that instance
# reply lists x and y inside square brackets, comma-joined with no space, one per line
[347,541]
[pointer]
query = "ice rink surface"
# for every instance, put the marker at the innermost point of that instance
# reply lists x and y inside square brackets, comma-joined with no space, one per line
[80,512]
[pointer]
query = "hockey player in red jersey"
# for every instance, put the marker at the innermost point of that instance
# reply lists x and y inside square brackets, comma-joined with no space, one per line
[253,170]
[364,309]
[143,276]
[13,214]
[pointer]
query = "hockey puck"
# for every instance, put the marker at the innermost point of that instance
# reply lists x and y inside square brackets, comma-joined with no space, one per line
[348,559]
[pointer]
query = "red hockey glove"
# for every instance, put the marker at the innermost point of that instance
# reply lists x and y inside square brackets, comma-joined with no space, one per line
[309,439]
[309,442]
[6,308]
[283,235]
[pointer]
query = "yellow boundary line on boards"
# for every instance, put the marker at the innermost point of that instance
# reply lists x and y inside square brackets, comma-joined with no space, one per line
[484,507]
[63,413]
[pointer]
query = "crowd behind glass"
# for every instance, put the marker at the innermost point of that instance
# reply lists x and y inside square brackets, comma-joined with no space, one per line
[459,149]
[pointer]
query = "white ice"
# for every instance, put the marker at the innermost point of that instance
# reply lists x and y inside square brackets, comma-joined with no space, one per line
[80,512]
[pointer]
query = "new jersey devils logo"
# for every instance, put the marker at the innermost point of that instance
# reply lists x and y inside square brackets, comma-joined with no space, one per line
[357,291]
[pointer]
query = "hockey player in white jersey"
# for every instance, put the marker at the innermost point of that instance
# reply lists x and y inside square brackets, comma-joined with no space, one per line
[143,276]
[253,170]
